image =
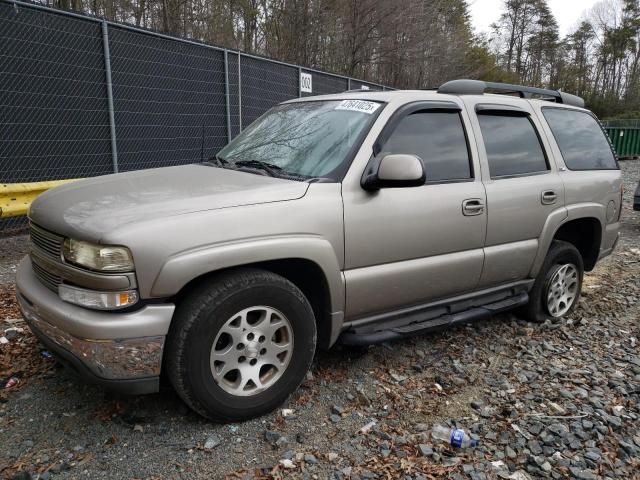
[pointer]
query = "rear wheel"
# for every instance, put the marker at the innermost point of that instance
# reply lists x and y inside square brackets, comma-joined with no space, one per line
[239,346]
[557,288]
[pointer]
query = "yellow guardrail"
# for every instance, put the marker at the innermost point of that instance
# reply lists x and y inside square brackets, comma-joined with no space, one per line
[15,198]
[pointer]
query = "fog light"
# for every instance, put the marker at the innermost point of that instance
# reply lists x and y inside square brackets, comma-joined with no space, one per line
[97,300]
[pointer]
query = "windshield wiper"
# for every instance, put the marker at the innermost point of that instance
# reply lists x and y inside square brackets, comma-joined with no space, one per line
[217,161]
[270,168]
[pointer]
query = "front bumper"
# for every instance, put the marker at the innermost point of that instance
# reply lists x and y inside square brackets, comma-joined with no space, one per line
[122,351]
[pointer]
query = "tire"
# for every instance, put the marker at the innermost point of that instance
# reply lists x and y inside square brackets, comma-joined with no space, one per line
[560,255]
[240,309]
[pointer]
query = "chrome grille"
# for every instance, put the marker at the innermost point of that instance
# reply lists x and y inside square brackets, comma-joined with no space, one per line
[48,279]
[46,241]
[47,244]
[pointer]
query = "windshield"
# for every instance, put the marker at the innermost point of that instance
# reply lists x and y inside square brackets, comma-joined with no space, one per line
[306,139]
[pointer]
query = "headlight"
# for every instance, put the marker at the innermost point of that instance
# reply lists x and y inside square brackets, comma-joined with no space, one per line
[98,257]
[98,300]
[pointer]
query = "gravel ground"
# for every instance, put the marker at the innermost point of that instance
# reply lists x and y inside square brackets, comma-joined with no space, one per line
[558,400]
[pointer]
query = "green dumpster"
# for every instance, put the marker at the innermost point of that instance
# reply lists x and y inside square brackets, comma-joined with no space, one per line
[625,137]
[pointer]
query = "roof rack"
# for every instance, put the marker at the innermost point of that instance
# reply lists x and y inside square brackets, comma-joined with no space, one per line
[478,87]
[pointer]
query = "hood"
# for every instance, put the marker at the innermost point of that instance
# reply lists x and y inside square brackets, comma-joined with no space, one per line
[89,208]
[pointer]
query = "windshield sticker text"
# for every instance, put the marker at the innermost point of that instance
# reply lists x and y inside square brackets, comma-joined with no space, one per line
[358,106]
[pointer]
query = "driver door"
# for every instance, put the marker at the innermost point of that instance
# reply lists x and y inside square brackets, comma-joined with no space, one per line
[413,245]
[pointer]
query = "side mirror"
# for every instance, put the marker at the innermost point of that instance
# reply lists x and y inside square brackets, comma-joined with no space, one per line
[394,171]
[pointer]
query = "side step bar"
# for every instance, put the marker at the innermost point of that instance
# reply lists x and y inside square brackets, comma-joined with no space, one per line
[356,336]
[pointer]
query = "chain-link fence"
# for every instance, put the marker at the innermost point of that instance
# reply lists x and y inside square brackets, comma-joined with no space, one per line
[80,96]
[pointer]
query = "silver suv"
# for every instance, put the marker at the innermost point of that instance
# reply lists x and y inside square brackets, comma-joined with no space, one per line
[360,217]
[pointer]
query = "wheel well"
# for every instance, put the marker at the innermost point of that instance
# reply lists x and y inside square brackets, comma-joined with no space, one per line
[304,274]
[585,234]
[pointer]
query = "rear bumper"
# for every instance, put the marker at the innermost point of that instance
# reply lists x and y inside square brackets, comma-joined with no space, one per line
[122,351]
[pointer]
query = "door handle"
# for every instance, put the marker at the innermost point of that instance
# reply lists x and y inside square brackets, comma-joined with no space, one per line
[472,206]
[549,197]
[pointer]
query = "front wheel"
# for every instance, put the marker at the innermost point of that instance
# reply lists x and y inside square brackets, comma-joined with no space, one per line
[557,288]
[239,346]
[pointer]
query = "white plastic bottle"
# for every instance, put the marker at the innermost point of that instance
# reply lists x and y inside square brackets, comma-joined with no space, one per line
[455,437]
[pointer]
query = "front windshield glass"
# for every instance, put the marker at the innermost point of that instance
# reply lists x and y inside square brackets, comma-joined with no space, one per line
[306,139]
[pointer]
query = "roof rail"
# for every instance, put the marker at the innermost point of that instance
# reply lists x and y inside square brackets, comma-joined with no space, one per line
[478,87]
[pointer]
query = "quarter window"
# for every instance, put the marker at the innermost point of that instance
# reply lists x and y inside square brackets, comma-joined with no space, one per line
[512,145]
[438,138]
[581,140]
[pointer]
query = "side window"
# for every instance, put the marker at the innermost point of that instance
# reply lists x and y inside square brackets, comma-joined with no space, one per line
[438,138]
[512,145]
[581,140]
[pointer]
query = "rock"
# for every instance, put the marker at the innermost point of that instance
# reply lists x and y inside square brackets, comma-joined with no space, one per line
[212,442]
[332,456]
[593,456]
[338,410]
[425,450]
[335,418]
[289,455]
[364,430]
[287,463]
[509,452]
[535,428]
[557,408]
[558,429]
[628,447]
[582,474]
[272,436]
[276,439]
[614,421]
[487,412]
[311,459]
[534,447]
[138,428]
[467,468]
[520,475]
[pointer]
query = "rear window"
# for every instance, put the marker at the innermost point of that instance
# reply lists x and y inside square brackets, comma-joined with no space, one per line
[583,144]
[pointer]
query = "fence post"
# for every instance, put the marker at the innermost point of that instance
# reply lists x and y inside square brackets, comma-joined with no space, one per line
[299,82]
[349,83]
[239,91]
[112,121]
[226,92]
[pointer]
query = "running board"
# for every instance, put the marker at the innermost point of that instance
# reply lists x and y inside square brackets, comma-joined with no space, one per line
[362,336]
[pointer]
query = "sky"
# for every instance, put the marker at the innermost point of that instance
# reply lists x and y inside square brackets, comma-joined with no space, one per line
[567,12]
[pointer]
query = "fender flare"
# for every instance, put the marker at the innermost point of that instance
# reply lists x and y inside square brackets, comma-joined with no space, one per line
[183,267]
[557,219]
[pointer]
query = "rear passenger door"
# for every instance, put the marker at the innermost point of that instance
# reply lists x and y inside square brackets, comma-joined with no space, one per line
[522,186]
